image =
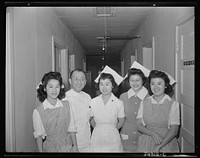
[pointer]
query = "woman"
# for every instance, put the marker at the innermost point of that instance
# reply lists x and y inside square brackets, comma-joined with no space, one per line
[108,113]
[158,116]
[53,123]
[132,99]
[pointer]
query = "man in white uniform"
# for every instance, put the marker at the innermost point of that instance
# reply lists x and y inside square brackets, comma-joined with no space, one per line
[79,103]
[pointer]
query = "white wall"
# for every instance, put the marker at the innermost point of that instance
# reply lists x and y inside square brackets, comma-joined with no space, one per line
[33,29]
[24,77]
[76,49]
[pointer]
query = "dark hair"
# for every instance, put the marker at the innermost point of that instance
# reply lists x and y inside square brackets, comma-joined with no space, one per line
[160,74]
[78,70]
[134,71]
[104,76]
[41,94]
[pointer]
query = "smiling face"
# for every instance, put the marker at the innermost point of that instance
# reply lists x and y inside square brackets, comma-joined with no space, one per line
[52,89]
[157,86]
[105,86]
[135,82]
[78,81]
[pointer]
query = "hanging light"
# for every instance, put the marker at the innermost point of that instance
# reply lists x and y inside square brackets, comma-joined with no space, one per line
[103,48]
[105,31]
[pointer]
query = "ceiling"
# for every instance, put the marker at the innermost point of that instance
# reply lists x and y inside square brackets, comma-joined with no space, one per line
[108,28]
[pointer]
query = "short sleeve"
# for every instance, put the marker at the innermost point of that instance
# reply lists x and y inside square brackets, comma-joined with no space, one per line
[140,113]
[121,110]
[72,126]
[174,117]
[38,125]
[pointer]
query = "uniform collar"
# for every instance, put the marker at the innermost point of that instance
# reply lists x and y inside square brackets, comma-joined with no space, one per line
[46,104]
[161,101]
[112,97]
[141,94]
[73,92]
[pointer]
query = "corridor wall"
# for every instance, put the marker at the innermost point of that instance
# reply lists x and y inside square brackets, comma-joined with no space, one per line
[32,31]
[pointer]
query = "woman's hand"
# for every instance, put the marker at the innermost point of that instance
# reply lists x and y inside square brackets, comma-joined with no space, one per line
[157,138]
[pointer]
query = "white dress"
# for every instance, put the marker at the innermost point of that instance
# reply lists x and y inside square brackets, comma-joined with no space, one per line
[105,136]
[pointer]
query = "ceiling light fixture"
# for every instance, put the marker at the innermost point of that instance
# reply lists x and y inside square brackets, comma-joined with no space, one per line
[104,11]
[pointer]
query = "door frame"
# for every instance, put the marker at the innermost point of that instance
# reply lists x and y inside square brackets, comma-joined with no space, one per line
[10,102]
[64,59]
[180,22]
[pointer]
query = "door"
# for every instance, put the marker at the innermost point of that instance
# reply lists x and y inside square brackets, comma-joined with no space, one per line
[148,58]
[185,86]
[71,62]
[65,67]
[57,59]
[132,59]
[136,55]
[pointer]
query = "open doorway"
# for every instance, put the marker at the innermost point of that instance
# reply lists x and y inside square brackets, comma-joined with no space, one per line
[148,54]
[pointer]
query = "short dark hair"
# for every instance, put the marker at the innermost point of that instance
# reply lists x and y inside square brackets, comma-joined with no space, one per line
[41,93]
[78,70]
[104,76]
[160,74]
[134,71]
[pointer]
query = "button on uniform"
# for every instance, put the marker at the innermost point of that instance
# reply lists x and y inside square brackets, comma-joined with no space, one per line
[135,113]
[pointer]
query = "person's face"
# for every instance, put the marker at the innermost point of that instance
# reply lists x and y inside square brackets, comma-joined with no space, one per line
[78,81]
[135,82]
[157,86]
[53,89]
[105,86]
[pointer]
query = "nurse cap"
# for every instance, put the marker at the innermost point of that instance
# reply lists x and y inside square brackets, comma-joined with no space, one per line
[141,67]
[116,76]
[171,79]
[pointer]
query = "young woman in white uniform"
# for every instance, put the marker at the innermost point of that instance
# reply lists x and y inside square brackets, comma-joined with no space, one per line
[108,116]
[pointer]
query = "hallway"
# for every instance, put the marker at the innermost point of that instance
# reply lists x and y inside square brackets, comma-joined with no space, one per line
[43,39]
